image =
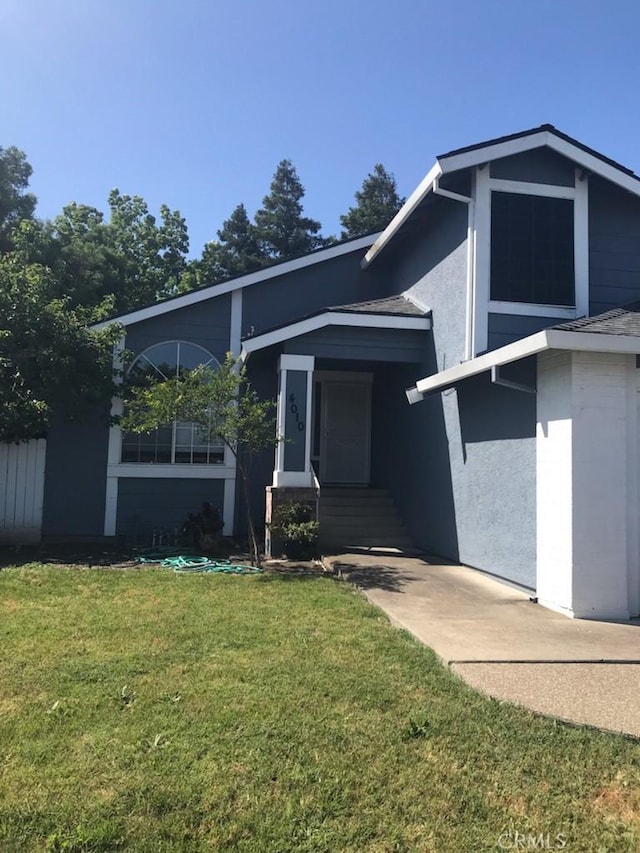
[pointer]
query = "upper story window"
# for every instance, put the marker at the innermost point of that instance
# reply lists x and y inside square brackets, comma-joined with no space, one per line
[179,442]
[532,249]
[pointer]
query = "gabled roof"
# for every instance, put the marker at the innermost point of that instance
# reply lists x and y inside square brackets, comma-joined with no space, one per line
[395,312]
[505,146]
[210,291]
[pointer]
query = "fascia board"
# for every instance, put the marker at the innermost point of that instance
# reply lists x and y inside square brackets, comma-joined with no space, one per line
[333,318]
[196,296]
[512,352]
[423,188]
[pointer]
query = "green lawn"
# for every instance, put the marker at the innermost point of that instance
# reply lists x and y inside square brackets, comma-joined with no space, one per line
[147,711]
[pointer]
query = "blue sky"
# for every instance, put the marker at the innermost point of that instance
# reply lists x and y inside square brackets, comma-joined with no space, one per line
[193,103]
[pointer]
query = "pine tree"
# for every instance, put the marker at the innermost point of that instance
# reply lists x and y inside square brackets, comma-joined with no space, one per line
[236,252]
[377,203]
[282,229]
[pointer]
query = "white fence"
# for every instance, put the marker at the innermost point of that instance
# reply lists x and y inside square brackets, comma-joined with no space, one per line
[22,491]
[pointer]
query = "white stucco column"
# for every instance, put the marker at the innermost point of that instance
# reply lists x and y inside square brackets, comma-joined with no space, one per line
[587,484]
[295,392]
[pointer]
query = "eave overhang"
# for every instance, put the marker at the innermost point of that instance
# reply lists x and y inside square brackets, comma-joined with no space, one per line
[332,318]
[549,339]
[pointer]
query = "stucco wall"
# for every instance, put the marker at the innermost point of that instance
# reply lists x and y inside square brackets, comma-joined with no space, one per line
[587,496]
[460,464]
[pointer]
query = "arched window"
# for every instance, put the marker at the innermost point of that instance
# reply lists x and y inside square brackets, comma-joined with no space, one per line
[179,442]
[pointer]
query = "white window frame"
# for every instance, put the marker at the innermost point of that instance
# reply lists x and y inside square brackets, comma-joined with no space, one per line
[211,360]
[483,305]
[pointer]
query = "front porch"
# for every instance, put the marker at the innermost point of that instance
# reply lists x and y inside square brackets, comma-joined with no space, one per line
[335,380]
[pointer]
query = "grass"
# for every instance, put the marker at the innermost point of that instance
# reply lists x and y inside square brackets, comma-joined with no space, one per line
[145,711]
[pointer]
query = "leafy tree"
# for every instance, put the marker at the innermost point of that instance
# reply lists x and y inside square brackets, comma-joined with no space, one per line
[283,230]
[150,257]
[224,406]
[377,203]
[238,250]
[50,360]
[16,203]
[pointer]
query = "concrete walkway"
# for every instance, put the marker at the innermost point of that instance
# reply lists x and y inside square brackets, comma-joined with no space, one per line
[504,645]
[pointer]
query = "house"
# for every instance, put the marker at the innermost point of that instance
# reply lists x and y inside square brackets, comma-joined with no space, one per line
[477,359]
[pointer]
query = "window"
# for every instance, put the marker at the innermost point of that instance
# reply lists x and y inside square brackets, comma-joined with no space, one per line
[532,249]
[179,442]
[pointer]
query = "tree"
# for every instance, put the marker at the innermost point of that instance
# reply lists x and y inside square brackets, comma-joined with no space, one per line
[238,250]
[377,203]
[16,203]
[51,362]
[283,230]
[223,404]
[150,258]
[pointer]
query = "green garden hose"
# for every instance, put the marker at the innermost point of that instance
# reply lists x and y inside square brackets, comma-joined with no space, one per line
[189,564]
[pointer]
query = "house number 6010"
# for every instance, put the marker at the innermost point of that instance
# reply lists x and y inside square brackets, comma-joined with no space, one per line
[293,408]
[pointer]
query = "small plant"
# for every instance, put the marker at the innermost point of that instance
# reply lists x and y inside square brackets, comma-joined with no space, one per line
[416,730]
[294,526]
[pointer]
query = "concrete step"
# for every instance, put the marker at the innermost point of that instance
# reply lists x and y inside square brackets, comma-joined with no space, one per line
[360,517]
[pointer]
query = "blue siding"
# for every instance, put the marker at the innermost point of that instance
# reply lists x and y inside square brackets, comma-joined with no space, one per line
[206,324]
[145,505]
[614,247]
[506,328]
[340,342]
[280,300]
[540,166]
[75,480]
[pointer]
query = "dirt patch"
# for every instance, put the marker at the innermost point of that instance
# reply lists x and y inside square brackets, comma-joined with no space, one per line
[620,800]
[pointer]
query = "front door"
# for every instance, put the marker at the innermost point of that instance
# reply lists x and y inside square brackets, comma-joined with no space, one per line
[345,424]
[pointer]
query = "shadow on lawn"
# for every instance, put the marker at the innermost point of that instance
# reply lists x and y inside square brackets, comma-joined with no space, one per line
[66,555]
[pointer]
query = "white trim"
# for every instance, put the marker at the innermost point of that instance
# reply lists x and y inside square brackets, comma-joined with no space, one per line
[235,330]
[471,275]
[288,362]
[111,506]
[482,267]
[423,189]
[497,150]
[484,154]
[500,185]
[581,244]
[526,309]
[300,479]
[512,352]
[592,341]
[308,415]
[296,362]
[193,297]
[229,506]
[333,318]
[558,339]
[171,471]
